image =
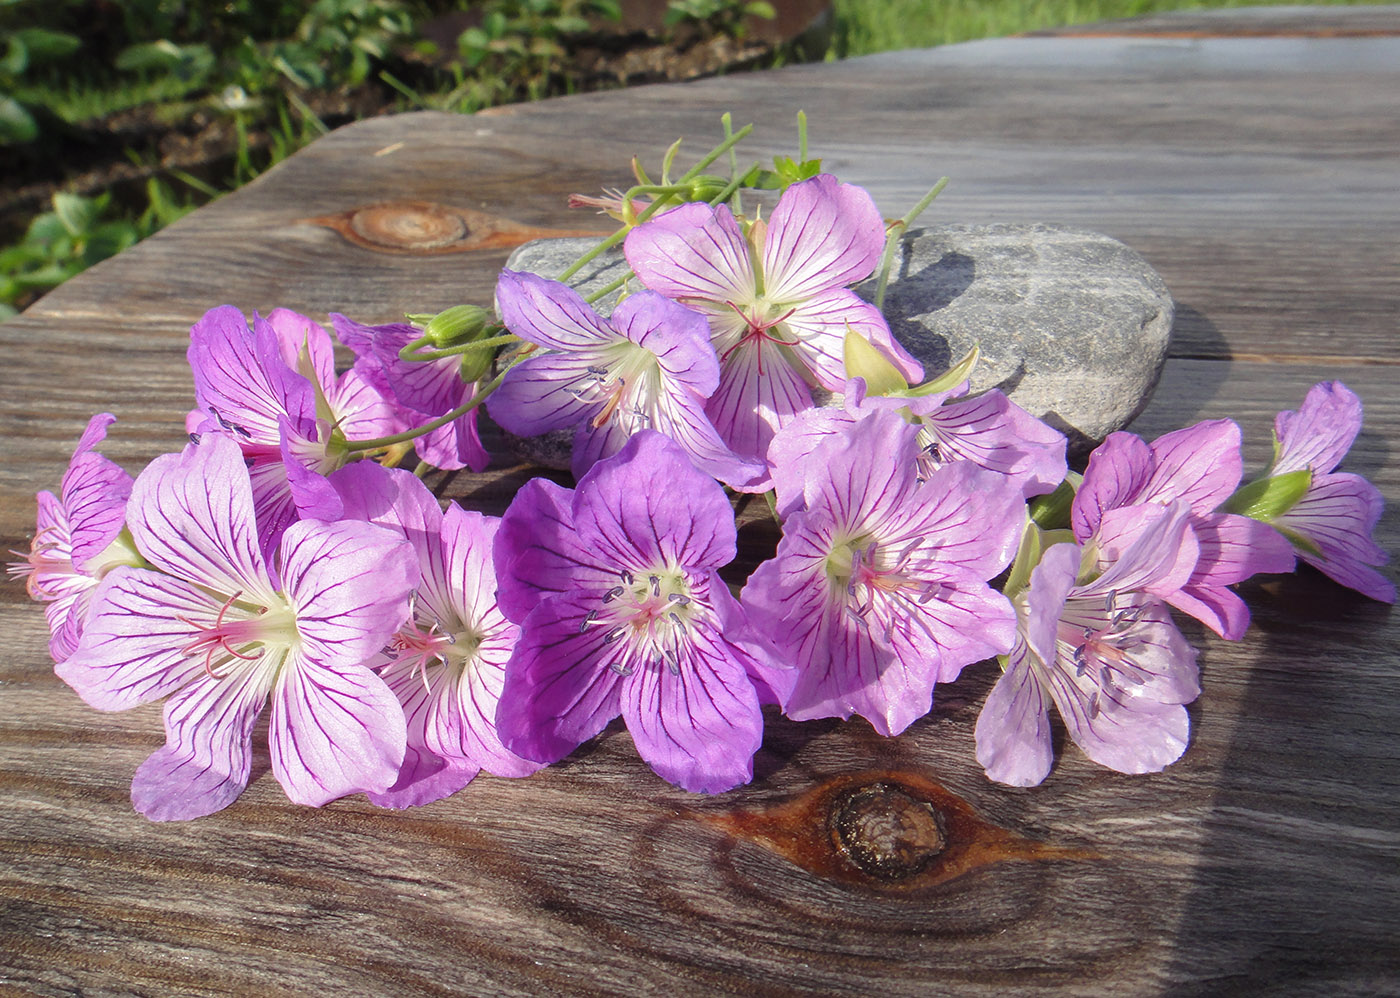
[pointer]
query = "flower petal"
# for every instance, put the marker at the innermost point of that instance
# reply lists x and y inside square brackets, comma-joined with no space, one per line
[133,639]
[204,764]
[548,313]
[699,727]
[692,252]
[1199,465]
[823,234]
[334,730]
[1013,727]
[559,691]
[1117,472]
[619,513]
[1320,433]
[191,515]
[1339,514]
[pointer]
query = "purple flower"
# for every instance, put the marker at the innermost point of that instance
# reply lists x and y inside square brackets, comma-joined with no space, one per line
[427,389]
[623,612]
[777,301]
[878,589]
[650,366]
[1105,652]
[1199,465]
[1332,524]
[78,538]
[447,664]
[208,627]
[989,430]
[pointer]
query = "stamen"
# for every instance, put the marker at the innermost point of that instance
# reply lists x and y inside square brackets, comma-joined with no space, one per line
[626,577]
[613,594]
[680,598]
[587,620]
[655,581]
[614,634]
[622,668]
[1093,706]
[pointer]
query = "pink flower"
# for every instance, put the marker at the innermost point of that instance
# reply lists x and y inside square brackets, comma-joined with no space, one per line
[208,627]
[1332,524]
[776,300]
[1104,651]
[78,539]
[447,664]
[879,586]
[1200,466]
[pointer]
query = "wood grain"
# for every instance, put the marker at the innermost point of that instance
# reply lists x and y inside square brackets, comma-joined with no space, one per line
[1258,175]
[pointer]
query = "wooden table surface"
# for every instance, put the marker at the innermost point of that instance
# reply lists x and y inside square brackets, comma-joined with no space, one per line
[1252,158]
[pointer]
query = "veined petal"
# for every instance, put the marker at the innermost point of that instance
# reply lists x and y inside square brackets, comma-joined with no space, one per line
[1199,465]
[1234,548]
[692,252]
[95,491]
[620,514]
[995,433]
[677,336]
[295,334]
[1339,514]
[1320,433]
[539,394]
[548,313]
[349,583]
[1013,728]
[1118,471]
[823,234]
[538,553]
[241,379]
[204,764]
[699,727]
[559,691]
[1150,548]
[759,392]
[424,778]
[335,729]
[817,327]
[133,639]
[191,515]
[362,411]
[790,451]
[681,416]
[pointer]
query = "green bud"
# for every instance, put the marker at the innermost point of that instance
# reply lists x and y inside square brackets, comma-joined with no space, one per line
[706,187]
[457,324]
[475,364]
[1269,498]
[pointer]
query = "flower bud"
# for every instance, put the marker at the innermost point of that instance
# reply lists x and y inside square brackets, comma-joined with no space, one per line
[458,324]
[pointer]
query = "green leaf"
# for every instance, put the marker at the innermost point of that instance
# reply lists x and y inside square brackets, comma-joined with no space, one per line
[77,214]
[16,124]
[1269,498]
[44,44]
[16,58]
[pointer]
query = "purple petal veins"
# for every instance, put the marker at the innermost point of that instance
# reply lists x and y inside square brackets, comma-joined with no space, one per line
[207,626]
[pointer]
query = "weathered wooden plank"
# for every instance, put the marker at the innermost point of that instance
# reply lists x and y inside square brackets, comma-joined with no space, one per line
[1264,189]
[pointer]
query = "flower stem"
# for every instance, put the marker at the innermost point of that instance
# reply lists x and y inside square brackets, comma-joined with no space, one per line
[896,232]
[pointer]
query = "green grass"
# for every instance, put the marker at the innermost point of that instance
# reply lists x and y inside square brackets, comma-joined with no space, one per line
[867,26]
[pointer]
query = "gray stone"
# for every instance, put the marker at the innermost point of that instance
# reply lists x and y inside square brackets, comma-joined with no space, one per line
[1072,325]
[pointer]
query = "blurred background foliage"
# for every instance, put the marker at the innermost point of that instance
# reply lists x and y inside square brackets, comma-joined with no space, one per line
[118,116]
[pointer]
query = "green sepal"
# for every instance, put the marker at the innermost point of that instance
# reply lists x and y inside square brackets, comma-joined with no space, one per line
[1034,541]
[1268,498]
[950,378]
[864,361]
[1051,512]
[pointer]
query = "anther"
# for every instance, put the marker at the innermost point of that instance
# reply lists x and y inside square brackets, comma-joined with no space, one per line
[587,620]
[614,634]
[621,669]
[626,578]
[655,581]
[680,598]
[613,594]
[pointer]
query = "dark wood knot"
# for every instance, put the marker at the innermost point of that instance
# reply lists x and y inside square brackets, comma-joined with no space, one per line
[426,228]
[886,832]
[417,226]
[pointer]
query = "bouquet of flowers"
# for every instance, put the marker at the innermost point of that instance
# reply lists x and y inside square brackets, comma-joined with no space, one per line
[283,557]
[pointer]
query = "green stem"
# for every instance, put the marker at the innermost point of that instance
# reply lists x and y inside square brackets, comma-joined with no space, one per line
[355,446]
[411,353]
[897,230]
